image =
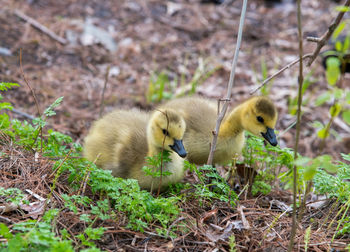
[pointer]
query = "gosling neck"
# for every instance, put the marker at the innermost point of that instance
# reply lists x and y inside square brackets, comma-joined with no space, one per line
[232,124]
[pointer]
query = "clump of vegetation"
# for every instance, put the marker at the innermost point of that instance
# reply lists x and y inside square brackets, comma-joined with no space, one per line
[96,197]
[162,87]
[113,194]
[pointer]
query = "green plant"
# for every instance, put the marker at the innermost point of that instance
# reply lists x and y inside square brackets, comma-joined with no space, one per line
[267,161]
[162,88]
[154,163]
[33,235]
[158,87]
[260,186]
[13,195]
[232,243]
[75,201]
[114,194]
[307,238]
[337,185]
[335,61]
[212,185]
[4,86]
[90,234]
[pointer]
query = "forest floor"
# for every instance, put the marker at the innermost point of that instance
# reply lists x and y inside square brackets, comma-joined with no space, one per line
[180,39]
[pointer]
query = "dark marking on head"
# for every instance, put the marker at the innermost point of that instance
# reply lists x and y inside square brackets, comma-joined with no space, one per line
[173,117]
[265,106]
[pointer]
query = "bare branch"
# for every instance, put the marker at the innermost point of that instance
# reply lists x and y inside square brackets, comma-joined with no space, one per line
[35,100]
[21,113]
[300,97]
[103,92]
[40,27]
[230,85]
[280,71]
[325,37]
[313,39]
[312,56]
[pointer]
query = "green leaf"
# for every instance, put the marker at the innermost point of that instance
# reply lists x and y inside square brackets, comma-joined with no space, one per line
[6,105]
[348,97]
[310,171]
[342,8]
[338,93]
[5,231]
[333,71]
[17,243]
[346,116]
[302,161]
[50,110]
[317,125]
[338,46]
[322,133]
[346,44]
[322,98]
[338,30]
[335,110]
[326,163]
[345,156]
[6,85]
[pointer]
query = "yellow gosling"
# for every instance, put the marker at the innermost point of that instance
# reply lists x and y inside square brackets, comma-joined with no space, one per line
[121,140]
[257,115]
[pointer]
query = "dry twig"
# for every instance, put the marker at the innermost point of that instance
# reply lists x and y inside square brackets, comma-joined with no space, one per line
[18,112]
[300,97]
[230,85]
[280,71]
[8,207]
[243,218]
[162,150]
[35,99]
[311,56]
[325,37]
[103,92]
[40,27]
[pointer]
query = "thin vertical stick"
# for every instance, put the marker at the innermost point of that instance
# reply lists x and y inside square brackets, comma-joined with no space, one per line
[35,100]
[230,85]
[300,96]
[102,106]
[162,150]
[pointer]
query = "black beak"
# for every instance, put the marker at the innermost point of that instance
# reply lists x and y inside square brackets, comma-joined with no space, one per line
[270,136]
[179,148]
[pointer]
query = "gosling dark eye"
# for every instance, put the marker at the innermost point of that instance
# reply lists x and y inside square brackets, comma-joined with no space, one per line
[165,132]
[260,119]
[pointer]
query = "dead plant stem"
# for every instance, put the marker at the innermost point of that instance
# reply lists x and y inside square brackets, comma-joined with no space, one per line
[162,153]
[300,96]
[35,100]
[102,106]
[325,37]
[311,56]
[280,71]
[230,85]
[40,27]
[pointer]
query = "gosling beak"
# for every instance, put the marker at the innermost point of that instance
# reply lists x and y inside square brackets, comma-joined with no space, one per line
[179,148]
[270,136]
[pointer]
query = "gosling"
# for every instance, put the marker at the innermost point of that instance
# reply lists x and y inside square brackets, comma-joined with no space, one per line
[257,115]
[121,140]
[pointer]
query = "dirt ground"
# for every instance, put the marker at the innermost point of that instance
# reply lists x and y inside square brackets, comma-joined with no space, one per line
[136,38]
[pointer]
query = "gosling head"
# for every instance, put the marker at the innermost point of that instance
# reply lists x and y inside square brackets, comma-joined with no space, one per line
[259,117]
[167,128]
